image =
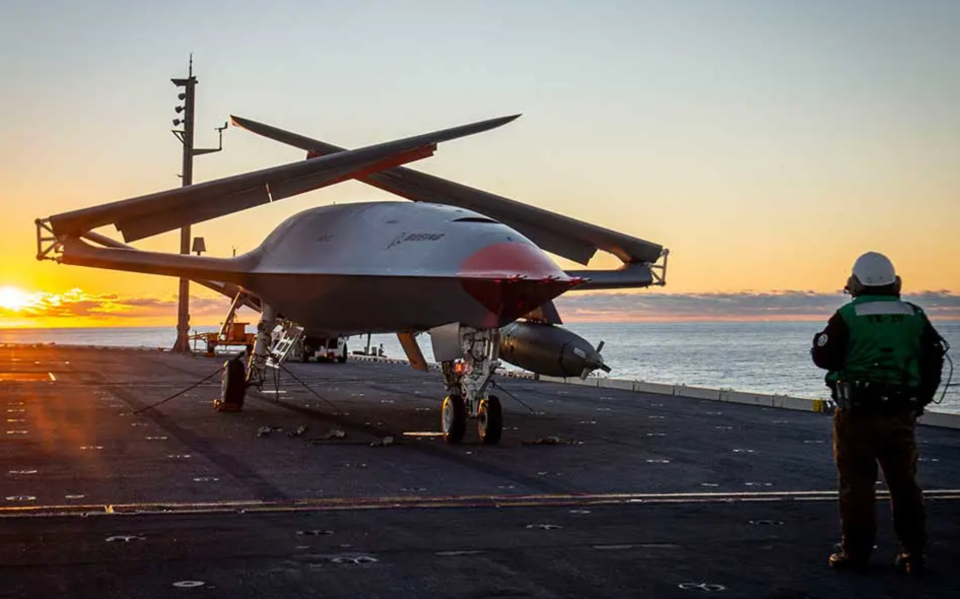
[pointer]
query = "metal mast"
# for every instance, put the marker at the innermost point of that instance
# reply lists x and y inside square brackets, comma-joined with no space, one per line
[185,135]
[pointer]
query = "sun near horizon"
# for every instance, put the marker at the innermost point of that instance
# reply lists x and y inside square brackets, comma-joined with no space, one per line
[14,299]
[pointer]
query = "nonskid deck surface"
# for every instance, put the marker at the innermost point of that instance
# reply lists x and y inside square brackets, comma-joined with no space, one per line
[644,495]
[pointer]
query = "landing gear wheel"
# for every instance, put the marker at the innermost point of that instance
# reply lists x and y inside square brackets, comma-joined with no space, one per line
[490,420]
[343,357]
[233,387]
[453,419]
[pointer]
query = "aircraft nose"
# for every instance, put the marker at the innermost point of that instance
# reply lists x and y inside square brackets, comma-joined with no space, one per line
[512,279]
[510,259]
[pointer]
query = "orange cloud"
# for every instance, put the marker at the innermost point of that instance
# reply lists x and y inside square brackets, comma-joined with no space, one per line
[76,308]
[746,305]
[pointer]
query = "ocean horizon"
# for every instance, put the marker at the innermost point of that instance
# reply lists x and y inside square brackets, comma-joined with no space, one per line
[753,356]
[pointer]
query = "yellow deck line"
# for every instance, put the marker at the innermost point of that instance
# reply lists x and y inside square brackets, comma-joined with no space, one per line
[383,503]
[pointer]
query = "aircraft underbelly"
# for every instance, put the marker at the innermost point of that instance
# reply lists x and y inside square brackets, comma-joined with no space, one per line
[340,304]
[347,304]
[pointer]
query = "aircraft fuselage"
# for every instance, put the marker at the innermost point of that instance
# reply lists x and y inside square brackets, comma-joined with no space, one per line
[398,266]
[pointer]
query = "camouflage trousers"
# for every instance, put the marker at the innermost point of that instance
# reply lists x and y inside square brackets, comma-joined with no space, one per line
[861,441]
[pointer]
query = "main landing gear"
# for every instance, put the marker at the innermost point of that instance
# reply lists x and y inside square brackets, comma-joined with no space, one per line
[237,377]
[233,386]
[466,381]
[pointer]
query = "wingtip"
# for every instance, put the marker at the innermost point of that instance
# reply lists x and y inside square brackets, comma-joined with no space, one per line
[499,121]
[244,123]
[507,119]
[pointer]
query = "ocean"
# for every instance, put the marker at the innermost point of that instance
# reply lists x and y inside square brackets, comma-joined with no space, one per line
[764,357]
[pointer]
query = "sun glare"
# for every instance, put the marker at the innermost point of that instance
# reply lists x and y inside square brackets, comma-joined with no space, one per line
[14,299]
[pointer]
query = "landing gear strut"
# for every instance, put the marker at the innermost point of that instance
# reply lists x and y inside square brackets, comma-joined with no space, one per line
[257,363]
[466,381]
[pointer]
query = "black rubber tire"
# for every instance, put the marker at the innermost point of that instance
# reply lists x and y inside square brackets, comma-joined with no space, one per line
[343,358]
[234,385]
[453,419]
[305,354]
[490,420]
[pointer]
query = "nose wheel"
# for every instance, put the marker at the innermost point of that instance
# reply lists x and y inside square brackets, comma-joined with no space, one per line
[466,380]
[490,420]
[453,419]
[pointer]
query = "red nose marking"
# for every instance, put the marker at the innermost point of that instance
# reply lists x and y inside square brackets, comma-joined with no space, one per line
[512,279]
[510,259]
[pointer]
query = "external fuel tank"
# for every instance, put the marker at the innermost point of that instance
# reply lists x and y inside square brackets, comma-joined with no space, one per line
[549,350]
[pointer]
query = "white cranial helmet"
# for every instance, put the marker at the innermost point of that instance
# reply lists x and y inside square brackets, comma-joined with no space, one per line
[873,269]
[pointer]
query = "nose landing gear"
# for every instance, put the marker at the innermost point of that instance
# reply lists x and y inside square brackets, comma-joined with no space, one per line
[466,381]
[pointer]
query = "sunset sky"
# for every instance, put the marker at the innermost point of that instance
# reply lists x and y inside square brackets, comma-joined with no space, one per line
[766,143]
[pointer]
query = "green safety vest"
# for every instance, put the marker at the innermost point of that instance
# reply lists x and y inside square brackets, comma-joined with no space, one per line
[884,341]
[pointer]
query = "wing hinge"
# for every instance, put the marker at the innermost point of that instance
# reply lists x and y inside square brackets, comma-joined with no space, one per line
[49,246]
[659,271]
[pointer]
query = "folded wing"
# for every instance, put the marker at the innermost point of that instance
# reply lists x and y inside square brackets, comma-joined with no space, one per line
[230,290]
[568,237]
[155,213]
[226,270]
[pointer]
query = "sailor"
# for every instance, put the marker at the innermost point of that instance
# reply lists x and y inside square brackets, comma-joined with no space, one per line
[884,360]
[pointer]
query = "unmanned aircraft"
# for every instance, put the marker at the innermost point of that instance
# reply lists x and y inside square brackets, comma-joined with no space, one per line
[464,265]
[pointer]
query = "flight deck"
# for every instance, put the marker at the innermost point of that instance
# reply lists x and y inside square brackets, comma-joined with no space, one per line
[338,485]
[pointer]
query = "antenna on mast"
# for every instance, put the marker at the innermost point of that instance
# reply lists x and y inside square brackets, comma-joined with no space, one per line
[185,117]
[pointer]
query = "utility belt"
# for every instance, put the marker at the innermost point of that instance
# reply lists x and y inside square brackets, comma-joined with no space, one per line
[867,396]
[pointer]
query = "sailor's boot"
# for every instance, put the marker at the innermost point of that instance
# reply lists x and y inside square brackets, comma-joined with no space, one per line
[912,563]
